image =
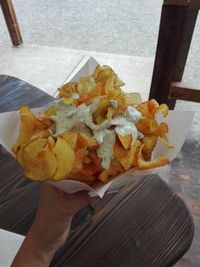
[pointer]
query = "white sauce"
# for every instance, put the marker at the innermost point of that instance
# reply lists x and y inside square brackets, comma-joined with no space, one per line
[105,150]
[71,118]
[133,115]
[75,96]
[114,103]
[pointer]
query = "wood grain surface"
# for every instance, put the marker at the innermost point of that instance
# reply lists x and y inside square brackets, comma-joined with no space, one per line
[144,224]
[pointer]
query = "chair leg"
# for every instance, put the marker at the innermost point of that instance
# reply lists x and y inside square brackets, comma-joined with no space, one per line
[171,28]
[11,21]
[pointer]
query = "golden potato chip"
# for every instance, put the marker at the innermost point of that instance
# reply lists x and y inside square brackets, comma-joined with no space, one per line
[119,150]
[68,89]
[96,71]
[50,111]
[125,140]
[103,176]
[102,75]
[46,121]
[144,165]
[93,167]
[131,158]
[152,106]
[163,108]
[79,158]
[43,134]
[87,97]
[65,157]
[83,141]
[29,125]
[133,99]
[118,82]
[51,142]
[161,131]
[149,143]
[86,160]
[101,108]
[71,138]
[99,119]
[110,113]
[116,165]
[107,85]
[39,160]
[20,155]
[147,125]
[48,157]
[69,100]
[86,85]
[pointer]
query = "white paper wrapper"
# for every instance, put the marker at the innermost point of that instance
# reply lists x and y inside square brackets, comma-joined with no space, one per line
[179,123]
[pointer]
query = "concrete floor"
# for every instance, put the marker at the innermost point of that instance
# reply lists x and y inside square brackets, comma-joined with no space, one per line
[120,27]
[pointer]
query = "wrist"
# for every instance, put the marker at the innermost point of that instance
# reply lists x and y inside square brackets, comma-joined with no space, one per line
[31,253]
[37,248]
[46,239]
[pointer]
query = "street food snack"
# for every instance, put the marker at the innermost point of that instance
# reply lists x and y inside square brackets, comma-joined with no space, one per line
[93,132]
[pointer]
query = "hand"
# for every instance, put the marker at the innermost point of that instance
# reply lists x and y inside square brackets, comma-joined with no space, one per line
[52,224]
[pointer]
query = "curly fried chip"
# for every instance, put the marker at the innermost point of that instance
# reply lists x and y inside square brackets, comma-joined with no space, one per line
[161,132]
[144,165]
[68,89]
[147,125]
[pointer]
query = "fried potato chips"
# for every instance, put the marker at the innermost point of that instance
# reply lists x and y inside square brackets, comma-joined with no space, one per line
[74,152]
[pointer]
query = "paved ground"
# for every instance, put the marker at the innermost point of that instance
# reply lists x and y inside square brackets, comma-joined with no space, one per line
[122,27]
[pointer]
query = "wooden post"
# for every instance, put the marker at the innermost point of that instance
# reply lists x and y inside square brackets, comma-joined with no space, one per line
[185,44]
[170,33]
[11,21]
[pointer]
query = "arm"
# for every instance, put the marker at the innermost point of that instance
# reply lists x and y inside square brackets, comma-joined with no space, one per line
[50,228]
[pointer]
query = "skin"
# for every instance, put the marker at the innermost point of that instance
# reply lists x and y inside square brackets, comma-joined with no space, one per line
[51,226]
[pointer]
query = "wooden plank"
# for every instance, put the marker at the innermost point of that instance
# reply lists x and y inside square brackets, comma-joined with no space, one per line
[183,91]
[185,44]
[11,21]
[171,29]
[176,2]
[194,4]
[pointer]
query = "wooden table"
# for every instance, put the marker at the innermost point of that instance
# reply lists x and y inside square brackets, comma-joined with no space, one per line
[143,224]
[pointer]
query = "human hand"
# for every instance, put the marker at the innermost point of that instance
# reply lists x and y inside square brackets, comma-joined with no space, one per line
[52,223]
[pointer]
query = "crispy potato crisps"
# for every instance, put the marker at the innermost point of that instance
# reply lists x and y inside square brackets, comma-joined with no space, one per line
[65,158]
[94,132]
[133,99]
[144,165]
[125,140]
[29,125]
